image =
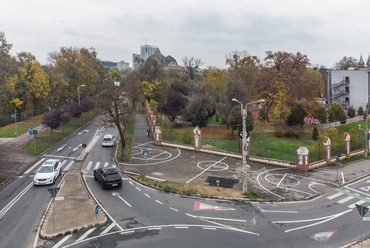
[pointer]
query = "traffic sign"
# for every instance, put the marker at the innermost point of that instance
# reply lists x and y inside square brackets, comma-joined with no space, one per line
[145,153]
[362,210]
[30,129]
[34,132]
[53,191]
[97,209]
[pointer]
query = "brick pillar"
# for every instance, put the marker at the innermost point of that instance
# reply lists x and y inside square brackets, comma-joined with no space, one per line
[368,140]
[154,123]
[158,136]
[327,149]
[347,145]
[197,138]
[302,159]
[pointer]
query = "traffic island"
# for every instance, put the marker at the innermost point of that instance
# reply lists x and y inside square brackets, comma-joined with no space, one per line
[75,209]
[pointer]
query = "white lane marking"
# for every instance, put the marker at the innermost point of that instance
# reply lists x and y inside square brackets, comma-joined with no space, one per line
[101,207]
[334,196]
[61,165]
[87,233]
[61,148]
[279,211]
[314,224]
[345,199]
[358,203]
[206,169]
[311,184]
[155,228]
[97,165]
[62,241]
[128,232]
[154,178]
[15,199]
[128,204]
[131,183]
[106,164]
[209,228]
[19,177]
[138,188]
[224,226]
[181,227]
[69,165]
[108,228]
[214,218]
[89,165]
[33,167]
[174,209]
[282,179]
[76,148]
[55,156]
[159,202]
[147,195]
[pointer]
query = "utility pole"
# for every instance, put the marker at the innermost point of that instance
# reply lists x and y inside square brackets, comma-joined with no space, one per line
[366,129]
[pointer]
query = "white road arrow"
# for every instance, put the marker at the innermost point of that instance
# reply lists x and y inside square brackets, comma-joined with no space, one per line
[367,188]
[324,236]
[61,148]
[74,149]
[84,131]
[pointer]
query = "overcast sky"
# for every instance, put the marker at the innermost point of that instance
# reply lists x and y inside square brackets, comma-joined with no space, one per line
[324,30]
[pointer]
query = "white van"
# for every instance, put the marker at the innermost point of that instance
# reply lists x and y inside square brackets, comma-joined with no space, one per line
[108,140]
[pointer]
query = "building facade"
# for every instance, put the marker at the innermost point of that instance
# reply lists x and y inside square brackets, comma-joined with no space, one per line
[348,87]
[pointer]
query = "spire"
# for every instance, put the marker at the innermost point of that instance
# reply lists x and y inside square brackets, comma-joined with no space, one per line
[361,62]
[368,61]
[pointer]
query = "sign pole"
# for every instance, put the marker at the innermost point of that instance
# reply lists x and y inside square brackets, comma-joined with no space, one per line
[54,209]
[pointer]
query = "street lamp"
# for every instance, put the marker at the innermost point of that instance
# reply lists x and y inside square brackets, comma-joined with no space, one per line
[78,89]
[244,114]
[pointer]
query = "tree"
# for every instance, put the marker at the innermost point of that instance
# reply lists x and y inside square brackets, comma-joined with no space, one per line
[351,112]
[315,134]
[297,115]
[199,110]
[321,114]
[53,120]
[360,111]
[173,105]
[118,113]
[236,120]
[192,65]
[262,114]
[75,110]
[336,113]
[345,63]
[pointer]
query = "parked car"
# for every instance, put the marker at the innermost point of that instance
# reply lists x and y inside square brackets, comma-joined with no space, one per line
[47,173]
[108,177]
[108,140]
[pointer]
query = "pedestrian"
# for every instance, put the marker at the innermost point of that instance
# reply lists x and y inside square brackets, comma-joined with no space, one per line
[148,131]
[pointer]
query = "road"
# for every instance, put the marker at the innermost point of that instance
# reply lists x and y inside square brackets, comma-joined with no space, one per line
[140,216]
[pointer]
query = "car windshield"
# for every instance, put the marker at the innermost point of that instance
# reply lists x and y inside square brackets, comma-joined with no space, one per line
[107,139]
[113,176]
[46,169]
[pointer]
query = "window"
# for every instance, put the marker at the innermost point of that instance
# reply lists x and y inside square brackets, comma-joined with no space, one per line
[346,80]
[347,89]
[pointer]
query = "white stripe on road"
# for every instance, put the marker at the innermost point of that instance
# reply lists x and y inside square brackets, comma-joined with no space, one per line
[147,195]
[61,165]
[89,165]
[69,165]
[33,167]
[128,204]
[85,234]
[174,209]
[354,204]
[97,165]
[334,196]
[138,188]
[345,199]
[62,241]
[108,228]
[205,170]
[106,164]
[15,199]
[159,202]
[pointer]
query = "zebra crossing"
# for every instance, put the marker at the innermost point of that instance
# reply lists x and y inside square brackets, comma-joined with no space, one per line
[84,235]
[347,197]
[67,164]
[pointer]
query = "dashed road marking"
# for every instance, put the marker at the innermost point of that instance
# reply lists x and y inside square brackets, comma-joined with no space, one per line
[159,202]
[334,196]
[87,233]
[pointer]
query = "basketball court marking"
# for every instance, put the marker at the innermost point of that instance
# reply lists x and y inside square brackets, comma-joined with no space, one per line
[154,159]
[204,170]
[276,181]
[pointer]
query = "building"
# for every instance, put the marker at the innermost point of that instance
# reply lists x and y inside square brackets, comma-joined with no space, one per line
[148,51]
[120,66]
[349,87]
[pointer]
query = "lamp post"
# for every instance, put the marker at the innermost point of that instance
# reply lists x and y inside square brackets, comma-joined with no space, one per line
[244,114]
[78,89]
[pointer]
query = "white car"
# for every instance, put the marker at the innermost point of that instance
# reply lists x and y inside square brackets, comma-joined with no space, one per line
[108,140]
[47,173]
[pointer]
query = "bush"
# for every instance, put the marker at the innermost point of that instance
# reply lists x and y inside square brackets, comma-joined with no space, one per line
[289,133]
[296,117]
[315,134]
[351,112]
[360,111]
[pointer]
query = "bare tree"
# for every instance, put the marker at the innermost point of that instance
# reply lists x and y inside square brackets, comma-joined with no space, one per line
[118,113]
[192,64]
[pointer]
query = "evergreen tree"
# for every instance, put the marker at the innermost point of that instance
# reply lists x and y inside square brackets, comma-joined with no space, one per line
[315,134]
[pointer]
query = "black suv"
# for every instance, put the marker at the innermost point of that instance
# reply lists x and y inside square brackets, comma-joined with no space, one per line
[108,177]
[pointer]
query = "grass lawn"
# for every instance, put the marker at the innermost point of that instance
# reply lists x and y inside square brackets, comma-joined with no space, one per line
[49,140]
[8,131]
